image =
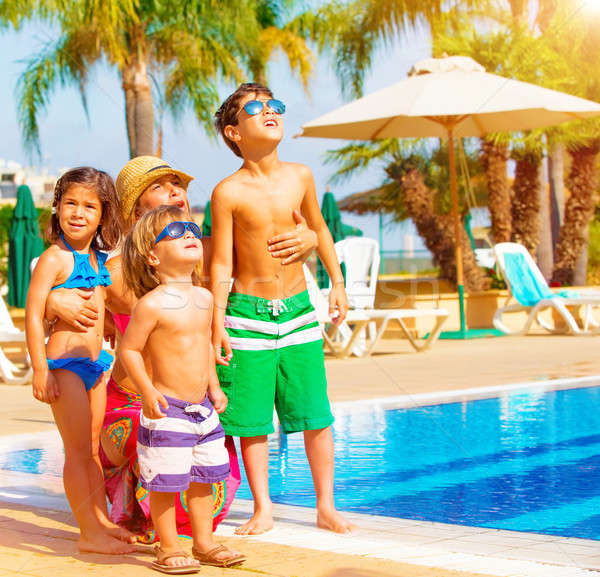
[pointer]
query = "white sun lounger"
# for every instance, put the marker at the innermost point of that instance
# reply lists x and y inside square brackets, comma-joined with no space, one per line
[357,320]
[528,287]
[11,334]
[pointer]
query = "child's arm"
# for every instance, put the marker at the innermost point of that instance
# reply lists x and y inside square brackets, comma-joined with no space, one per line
[215,394]
[142,323]
[220,268]
[338,301]
[44,386]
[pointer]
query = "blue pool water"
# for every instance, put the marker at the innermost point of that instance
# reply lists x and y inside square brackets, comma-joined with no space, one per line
[524,462]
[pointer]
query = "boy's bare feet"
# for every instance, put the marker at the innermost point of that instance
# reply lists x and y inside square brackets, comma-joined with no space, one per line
[331,520]
[261,521]
[102,543]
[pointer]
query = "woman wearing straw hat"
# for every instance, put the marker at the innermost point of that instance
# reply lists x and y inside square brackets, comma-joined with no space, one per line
[144,183]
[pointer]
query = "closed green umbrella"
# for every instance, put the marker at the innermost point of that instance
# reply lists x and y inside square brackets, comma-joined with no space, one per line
[333,220]
[350,230]
[24,244]
[207,223]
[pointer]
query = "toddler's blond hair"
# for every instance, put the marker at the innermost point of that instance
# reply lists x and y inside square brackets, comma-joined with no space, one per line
[138,274]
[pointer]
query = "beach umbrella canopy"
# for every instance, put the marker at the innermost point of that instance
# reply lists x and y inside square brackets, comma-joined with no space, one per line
[350,230]
[207,222]
[333,220]
[338,229]
[24,244]
[447,98]
[332,217]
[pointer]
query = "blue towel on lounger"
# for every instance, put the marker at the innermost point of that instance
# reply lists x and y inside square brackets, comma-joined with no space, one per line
[525,287]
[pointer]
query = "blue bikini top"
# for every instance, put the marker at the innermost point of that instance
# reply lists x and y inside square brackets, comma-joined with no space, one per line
[84,275]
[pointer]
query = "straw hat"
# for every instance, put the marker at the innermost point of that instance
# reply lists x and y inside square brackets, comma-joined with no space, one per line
[137,175]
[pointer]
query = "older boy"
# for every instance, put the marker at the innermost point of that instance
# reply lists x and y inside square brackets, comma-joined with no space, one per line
[267,327]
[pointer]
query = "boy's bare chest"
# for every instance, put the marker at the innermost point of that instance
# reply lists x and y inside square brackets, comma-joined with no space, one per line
[260,207]
[183,313]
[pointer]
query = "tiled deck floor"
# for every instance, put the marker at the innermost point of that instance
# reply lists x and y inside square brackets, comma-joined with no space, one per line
[36,541]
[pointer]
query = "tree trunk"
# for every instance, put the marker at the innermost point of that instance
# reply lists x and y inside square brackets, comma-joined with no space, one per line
[580,273]
[493,160]
[545,250]
[437,232]
[139,108]
[556,178]
[127,76]
[579,210]
[520,12]
[144,111]
[526,201]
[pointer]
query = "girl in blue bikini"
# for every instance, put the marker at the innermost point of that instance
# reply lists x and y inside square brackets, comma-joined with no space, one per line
[68,370]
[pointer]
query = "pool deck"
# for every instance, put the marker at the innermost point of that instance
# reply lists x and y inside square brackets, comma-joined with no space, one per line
[40,541]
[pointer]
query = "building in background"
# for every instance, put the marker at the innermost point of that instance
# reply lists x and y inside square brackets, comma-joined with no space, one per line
[39,180]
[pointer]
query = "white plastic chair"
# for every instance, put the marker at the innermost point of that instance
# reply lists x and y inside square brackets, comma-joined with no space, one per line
[528,287]
[348,334]
[361,257]
[352,341]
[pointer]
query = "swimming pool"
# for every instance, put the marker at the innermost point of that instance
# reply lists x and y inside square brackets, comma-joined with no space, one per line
[524,461]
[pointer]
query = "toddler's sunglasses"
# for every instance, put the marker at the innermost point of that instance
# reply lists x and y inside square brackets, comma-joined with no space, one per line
[177,228]
[254,107]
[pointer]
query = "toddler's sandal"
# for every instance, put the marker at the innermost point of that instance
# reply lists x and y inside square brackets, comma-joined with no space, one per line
[211,557]
[162,557]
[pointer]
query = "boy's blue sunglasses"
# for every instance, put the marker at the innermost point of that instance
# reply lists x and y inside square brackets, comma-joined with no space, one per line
[254,107]
[177,228]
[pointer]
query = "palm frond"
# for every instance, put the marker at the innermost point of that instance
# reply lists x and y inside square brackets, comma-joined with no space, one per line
[57,63]
[295,48]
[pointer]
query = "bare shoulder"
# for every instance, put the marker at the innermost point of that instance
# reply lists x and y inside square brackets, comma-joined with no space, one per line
[50,254]
[203,295]
[299,170]
[149,305]
[225,190]
[53,257]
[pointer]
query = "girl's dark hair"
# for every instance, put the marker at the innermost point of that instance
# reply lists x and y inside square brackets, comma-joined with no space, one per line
[109,231]
[229,110]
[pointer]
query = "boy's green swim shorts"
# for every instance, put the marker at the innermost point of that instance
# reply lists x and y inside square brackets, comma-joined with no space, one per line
[277,360]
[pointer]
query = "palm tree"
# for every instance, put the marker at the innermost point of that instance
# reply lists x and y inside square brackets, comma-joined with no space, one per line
[438,232]
[510,50]
[526,198]
[188,45]
[494,159]
[573,32]
[416,186]
[579,210]
[353,31]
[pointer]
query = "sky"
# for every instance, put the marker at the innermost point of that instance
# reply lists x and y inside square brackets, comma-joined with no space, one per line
[69,138]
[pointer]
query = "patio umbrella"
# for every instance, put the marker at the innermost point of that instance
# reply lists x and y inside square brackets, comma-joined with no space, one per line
[333,220]
[24,244]
[207,222]
[350,230]
[447,98]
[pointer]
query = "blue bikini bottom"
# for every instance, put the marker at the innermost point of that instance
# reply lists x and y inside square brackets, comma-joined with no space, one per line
[89,371]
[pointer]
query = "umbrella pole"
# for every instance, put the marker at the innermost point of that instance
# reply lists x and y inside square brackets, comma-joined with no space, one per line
[381,261]
[457,229]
